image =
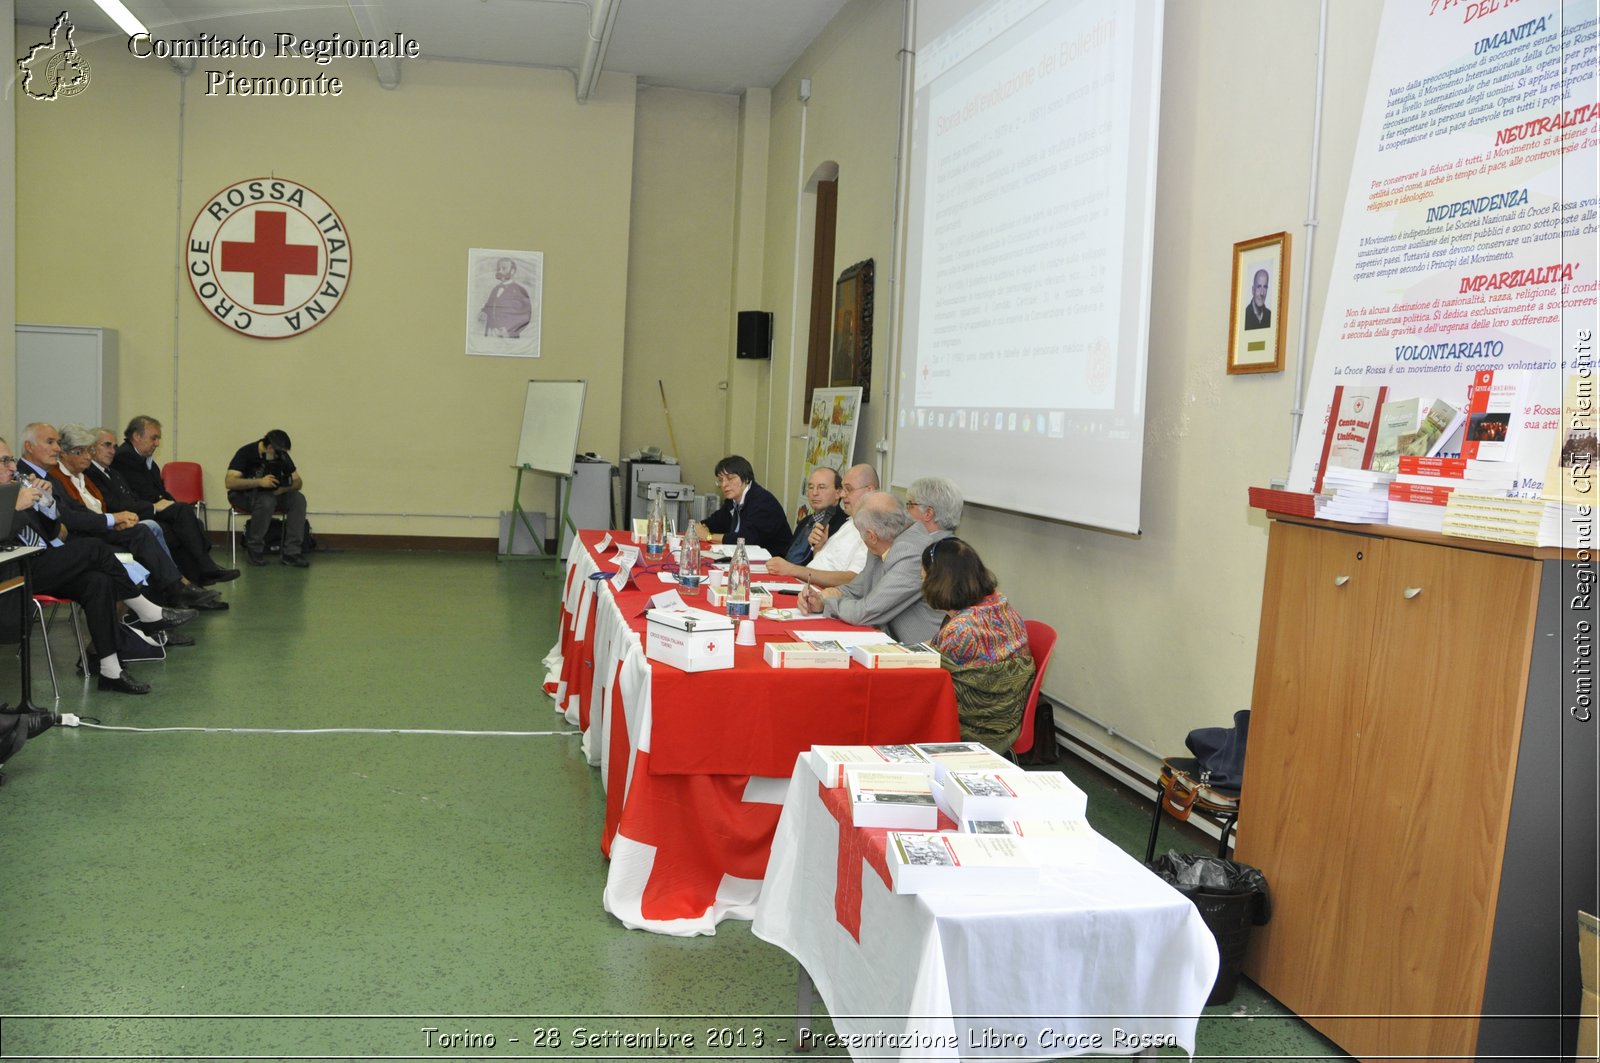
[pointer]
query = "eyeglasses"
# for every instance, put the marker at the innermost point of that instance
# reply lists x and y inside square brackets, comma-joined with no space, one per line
[77,452]
[7,460]
[847,489]
[727,477]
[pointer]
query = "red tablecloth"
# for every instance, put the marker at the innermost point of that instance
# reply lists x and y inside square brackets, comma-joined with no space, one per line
[693,762]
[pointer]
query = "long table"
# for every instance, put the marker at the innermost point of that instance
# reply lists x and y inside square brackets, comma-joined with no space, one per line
[1103,957]
[695,765]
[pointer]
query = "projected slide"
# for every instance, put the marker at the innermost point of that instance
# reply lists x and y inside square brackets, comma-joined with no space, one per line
[1028,256]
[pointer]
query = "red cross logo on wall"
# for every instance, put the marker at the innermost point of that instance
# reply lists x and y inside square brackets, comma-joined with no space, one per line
[270,258]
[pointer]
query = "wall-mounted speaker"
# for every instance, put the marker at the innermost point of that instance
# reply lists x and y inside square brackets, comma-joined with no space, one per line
[755,334]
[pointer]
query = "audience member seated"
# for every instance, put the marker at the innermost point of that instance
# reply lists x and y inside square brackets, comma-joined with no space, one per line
[822,498]
[749,512]
[76,503]
[888,592]
[130,473]
[982,642]
[262,480]
[840,553]
[87,571]
[935,503]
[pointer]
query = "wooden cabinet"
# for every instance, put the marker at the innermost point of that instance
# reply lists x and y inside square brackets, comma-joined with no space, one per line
[1391,695]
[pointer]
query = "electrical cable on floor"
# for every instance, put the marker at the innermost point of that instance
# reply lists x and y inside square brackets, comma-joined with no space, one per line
[68,721]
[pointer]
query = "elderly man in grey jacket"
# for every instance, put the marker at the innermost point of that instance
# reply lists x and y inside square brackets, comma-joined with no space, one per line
[888,592]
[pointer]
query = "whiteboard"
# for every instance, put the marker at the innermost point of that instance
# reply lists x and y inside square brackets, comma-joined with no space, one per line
[551,417]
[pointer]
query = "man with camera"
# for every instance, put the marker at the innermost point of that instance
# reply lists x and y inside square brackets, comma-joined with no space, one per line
[262,480]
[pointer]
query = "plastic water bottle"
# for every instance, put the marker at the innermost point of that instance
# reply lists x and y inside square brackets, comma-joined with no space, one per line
[655,536]
[689,563]
[738,591]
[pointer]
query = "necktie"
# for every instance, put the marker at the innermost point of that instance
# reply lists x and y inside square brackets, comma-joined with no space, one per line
[738,512]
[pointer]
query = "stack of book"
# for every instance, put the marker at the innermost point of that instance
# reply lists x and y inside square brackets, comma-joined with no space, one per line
[1355,496]
[1526,521]
[899,800]
[1277,500]
[1013,822]
[984,795]
[1419,494]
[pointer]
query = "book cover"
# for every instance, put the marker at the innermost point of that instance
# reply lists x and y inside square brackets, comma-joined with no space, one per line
[1351,435]
[803,655]
[829,763]
[1395,418]
[1051,842]
[959,863]
[961,756]
[1431,432]
[1494,414]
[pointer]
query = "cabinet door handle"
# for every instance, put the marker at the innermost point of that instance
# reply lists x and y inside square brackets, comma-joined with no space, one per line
[1340,581]
[1411,592]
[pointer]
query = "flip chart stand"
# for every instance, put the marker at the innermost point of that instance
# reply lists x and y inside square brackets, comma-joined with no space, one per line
[564,492]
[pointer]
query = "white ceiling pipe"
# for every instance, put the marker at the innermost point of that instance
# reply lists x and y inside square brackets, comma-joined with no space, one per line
[602,17]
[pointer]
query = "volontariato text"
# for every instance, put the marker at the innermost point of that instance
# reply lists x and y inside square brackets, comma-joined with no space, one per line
[321,51]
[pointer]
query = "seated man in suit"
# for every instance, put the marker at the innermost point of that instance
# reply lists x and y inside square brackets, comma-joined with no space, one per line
[130,472]
[822,498]
[840,553]
[262,480]
[78,506]
[888,592]
[750,512]
[935,503]
[87,571]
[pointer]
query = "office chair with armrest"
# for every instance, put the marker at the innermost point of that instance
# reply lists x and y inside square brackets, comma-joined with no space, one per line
[1041,644]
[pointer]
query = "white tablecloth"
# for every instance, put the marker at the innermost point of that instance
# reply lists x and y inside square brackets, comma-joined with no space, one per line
[1105,957]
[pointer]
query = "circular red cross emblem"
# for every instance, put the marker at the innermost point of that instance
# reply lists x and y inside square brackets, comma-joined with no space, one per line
[268,258]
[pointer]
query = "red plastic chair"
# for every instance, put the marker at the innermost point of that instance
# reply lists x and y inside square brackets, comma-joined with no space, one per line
[1041,644]
[39,602]
[186,482]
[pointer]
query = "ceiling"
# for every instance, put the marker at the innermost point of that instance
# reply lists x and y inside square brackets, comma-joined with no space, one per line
[705,45]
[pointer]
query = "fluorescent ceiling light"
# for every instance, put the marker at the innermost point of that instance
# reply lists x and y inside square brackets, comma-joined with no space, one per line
[119,14]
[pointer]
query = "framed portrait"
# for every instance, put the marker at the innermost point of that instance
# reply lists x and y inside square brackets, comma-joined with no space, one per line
[851,362]
[1256,324]
[505,293]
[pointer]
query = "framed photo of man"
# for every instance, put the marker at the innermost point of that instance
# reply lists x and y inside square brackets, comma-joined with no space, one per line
[505,291]
[1256,323]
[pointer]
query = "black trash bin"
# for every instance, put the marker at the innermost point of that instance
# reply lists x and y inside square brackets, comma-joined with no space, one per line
[1231,897]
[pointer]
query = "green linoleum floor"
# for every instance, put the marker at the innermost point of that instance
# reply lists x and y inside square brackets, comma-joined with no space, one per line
[431,881]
